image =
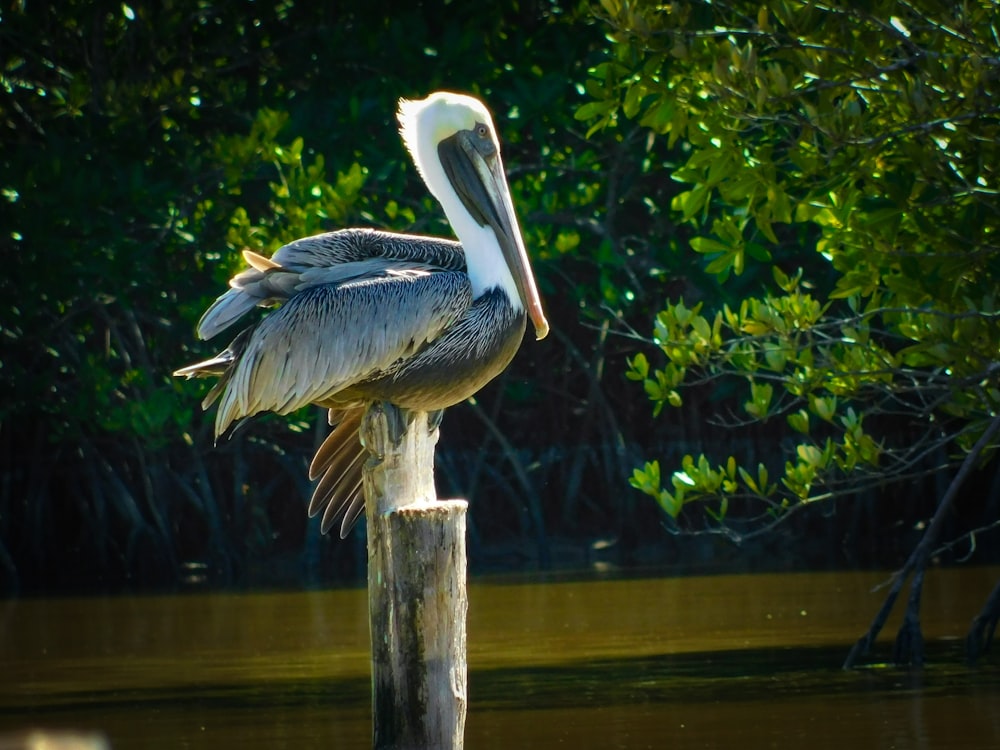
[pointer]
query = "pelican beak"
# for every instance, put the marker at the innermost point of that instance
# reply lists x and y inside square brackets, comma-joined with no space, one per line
[473,165]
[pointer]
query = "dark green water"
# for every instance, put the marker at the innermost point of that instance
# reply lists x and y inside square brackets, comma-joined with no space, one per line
[709,662]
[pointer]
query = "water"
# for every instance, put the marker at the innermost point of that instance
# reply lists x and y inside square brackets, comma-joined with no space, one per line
[709,662]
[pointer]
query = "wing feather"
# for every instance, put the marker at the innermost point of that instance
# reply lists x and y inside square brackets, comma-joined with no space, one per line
[259,261]
[328,337]
[329,258]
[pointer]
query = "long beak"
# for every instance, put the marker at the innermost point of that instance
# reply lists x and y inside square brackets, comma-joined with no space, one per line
[480,182]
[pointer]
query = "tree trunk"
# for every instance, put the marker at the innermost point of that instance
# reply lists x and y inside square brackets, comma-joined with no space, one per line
[910,641]
[416,587]
[984,627]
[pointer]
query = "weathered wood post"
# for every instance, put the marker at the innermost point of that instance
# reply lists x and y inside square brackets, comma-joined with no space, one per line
[417,596]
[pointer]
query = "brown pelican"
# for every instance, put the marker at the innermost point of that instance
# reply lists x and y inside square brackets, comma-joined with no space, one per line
[419,322]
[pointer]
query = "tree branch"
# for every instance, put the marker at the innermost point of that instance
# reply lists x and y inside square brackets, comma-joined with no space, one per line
[918,561]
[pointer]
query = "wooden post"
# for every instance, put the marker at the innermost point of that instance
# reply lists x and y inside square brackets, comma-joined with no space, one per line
[417,596]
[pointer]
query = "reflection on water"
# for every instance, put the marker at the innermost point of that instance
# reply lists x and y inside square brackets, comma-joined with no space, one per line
[711,662]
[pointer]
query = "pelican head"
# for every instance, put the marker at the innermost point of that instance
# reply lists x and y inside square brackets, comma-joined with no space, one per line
[455,148]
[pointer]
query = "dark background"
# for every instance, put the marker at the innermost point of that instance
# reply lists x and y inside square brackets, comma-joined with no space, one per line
[130,165]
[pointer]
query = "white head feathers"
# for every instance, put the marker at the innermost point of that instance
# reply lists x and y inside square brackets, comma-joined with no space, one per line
[424,123]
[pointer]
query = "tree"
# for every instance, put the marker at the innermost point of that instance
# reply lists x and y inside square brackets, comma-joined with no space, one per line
[852,153]
[142,145]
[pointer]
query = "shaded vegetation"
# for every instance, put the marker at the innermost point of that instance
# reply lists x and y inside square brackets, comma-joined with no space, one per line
[145,144]
[851,153]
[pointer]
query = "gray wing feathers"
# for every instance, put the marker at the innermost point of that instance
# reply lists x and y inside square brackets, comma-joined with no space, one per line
[330,258]
[328,337]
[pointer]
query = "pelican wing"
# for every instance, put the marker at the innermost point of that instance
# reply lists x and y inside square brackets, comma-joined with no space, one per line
[337,466]
[330,335]
[330,258]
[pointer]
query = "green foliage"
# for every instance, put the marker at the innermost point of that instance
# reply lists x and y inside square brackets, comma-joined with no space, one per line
[860,148]
[144,145]
[299,200]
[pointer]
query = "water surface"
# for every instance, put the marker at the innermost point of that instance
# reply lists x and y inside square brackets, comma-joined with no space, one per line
[749,661]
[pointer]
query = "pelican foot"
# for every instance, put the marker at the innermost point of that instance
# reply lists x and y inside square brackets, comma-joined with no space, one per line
[434,419]
[397,420]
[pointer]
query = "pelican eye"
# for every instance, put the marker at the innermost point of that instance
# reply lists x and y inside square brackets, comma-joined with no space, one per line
[481,130]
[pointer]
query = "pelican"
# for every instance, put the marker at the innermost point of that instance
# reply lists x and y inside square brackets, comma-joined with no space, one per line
[365,316]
